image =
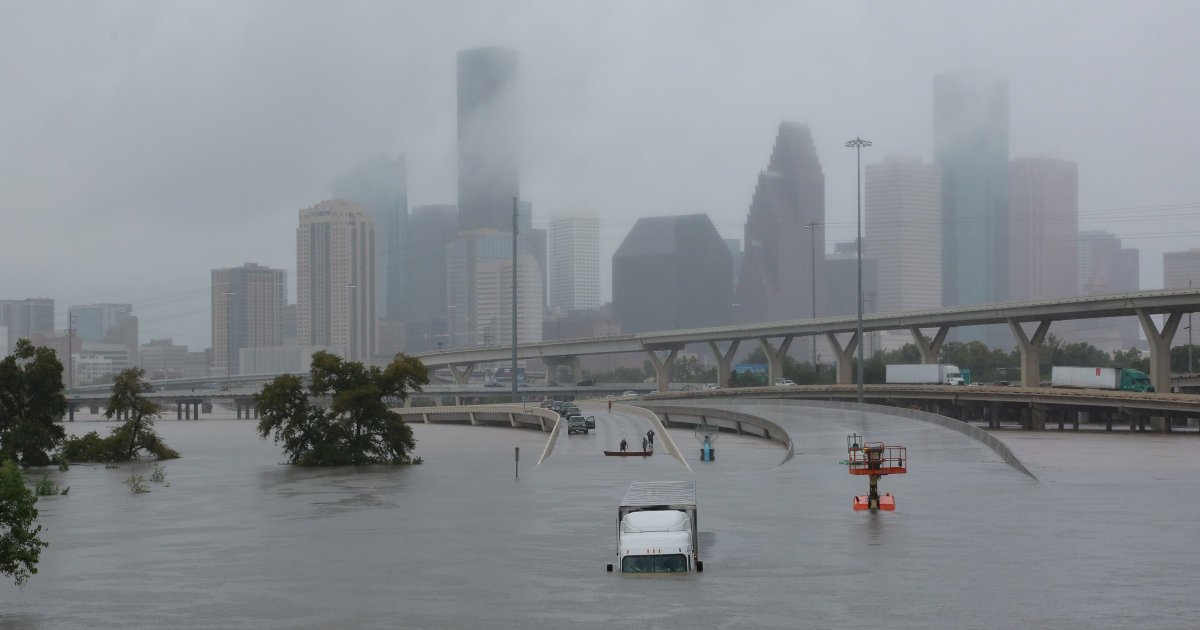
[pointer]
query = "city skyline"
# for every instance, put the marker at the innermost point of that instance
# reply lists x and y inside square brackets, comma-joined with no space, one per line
[601,138]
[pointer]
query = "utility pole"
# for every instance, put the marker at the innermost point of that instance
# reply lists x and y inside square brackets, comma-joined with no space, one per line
[857,144]
[514,303]
[812,229]
[71,350]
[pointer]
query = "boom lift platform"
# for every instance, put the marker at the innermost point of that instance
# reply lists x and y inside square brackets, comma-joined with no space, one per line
[874,459]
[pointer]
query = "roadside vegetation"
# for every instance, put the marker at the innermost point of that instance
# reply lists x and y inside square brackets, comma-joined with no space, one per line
[133,439]
[20,546]
[342,417]
[32,404]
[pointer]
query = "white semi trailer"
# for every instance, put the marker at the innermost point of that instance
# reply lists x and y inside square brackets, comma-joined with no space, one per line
[657,528]
[925,373]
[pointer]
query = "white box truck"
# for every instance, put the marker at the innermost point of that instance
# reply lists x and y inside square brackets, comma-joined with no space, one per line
[657,531]
[925,374]
[1123,379]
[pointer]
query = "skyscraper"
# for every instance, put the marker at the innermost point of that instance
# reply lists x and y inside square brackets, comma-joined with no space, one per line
[335,279]
[777,278]
[26,318]
[574,263]
[488,164]
[106,323]
[902,213]
[1181,270]
[1105,267]
[248,305]
[380,186]
[430,228]
[1043,228]
[672,273]
[475,259]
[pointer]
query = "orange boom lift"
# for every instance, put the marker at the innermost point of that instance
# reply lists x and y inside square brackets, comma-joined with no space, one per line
[874,459]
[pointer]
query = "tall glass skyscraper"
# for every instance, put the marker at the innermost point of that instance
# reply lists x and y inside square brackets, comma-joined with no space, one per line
[488,164]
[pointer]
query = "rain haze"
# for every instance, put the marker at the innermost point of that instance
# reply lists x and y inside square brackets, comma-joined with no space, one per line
[148,143]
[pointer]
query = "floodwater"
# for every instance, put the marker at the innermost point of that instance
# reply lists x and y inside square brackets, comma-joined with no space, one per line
[1103,538]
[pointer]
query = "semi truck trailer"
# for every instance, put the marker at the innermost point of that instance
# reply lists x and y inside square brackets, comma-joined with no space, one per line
[657,530]
[1123,379]
[925,374]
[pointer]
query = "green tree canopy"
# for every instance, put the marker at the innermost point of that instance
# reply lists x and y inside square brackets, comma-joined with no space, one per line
[357,428]
[20,547]
[133,438]
[31,404]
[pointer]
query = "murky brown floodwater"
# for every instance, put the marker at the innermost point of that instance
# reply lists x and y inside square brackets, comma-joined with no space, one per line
[1103,539]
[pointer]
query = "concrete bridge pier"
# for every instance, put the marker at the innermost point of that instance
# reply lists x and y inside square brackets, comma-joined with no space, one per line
[662,367]
[724,361]
[464,376]
[929,347]
[71,413]
[1160,347]
[95,409]
[775,357]
[1031,350]
[845,357]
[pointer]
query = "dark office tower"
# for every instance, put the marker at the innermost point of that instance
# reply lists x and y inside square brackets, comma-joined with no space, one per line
[380,186]
[429,229]
[672,273]
[970,145]
[487,138]
[1043,228]
[776,282]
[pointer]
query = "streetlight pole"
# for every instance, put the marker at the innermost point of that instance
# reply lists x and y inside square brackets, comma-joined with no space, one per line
[352,350]
[1191,370]
[228,337]
[857,144]
[514,303]
[71,350]
[812,230]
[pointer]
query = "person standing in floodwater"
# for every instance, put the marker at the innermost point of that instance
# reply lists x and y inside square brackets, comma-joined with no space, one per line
[610,406]
[624,445]
[650,436]
[644,438]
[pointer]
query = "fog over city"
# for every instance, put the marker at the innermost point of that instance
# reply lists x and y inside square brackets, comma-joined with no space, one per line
[147,143]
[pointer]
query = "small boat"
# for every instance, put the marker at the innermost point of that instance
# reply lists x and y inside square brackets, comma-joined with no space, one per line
[629,453]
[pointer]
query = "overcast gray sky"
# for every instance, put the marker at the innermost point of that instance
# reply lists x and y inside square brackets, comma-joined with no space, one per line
[144,143]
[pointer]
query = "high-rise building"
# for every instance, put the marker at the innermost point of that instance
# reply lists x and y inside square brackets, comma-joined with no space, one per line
[735,251]
[335,279]
[1104,268]
[672,273]
[430,228]
[106,323]
[161,358]
[574,263]
[248,305]
[776,283]
[488,163]
[469,270]
[1043,228]
[1181,270]
[841,293]
[494,302]
[380,186]
[902,216]
[26,318]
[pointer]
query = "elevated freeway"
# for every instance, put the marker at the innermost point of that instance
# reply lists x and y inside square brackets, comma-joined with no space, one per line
[1029,321]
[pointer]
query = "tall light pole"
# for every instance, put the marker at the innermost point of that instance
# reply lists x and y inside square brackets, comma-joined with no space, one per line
[514,303]
[350,313]
[812,230]
[857,144]
[1191,370]
[71,350]
[228,336]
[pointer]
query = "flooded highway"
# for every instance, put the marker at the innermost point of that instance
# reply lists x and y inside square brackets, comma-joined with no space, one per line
[1102,538]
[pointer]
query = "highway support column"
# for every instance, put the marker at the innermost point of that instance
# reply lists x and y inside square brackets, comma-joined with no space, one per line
[845,357]
[1160,347]
[929,347]
[464,376]
[662,367]
[724,361]
[1031,351]
[775,357]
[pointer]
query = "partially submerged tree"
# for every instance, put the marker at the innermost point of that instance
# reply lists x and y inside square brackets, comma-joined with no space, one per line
[20,547]
[357,428]
[31,404]
[134,437]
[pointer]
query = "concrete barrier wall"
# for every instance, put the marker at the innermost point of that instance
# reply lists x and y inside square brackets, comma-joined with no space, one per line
[965,428]
[659,430]
[736,421]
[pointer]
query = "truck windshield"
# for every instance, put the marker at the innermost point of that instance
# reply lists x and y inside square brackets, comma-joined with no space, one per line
[673,563]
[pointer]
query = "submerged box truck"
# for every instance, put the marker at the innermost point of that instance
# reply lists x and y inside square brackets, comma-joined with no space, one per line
[657,531]
[925,374]
[1123,379]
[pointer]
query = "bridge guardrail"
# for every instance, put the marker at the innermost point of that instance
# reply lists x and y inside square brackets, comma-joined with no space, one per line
[660,430]
[771,430]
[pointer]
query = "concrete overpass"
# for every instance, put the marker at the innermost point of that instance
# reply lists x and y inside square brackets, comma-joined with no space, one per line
[1029,322]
